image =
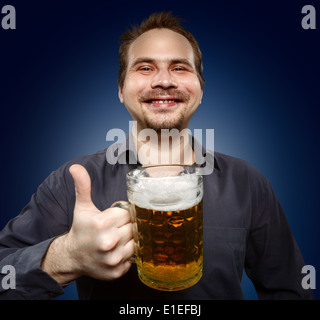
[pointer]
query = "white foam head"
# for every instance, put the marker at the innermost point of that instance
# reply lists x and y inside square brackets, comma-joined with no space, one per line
[165,193]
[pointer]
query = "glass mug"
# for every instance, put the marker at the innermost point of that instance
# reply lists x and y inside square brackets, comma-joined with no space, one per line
[165,204]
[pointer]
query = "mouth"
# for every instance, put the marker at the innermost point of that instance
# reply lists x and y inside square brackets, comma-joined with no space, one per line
[163,102]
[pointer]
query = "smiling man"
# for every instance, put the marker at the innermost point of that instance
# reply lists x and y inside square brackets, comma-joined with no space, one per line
[70,230]
[162,88]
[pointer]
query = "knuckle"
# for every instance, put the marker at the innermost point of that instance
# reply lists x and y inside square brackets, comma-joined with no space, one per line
[103,222]
[131,246]
[109,244]
[98,223]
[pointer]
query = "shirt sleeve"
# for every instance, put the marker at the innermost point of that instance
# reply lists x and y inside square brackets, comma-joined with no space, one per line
[26,238]
[273,259]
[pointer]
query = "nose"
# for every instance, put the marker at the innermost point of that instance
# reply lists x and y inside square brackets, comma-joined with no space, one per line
[163,79]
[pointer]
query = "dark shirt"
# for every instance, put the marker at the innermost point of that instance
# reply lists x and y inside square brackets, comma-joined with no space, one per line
[244,228]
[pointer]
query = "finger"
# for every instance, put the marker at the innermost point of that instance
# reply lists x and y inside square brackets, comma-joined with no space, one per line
[116,239]
[129,250]
[125,233]
[119,271]
[118,216]
[119,255]
[82,183]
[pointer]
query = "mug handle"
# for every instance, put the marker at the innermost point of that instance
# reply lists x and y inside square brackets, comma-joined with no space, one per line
[121,204]
[126,206]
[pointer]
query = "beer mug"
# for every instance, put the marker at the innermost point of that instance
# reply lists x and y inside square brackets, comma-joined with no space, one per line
[166,211]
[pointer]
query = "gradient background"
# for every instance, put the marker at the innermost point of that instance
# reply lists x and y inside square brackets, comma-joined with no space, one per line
[58,98]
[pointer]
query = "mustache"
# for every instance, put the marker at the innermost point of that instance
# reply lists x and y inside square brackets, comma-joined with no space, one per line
[162,93]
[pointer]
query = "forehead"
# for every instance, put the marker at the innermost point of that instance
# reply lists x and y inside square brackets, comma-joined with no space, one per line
[161,45]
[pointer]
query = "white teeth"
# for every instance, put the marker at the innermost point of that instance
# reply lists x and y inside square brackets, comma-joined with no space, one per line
[163,101]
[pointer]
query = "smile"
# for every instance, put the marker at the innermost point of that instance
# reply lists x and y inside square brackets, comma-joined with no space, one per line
[163,101]
[161,104]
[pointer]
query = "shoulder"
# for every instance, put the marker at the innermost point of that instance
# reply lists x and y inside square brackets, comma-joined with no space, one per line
[94,163]
[97,159]
[227,162]
[240,170]
[242,176]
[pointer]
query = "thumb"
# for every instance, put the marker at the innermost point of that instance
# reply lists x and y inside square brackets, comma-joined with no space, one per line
[82,183]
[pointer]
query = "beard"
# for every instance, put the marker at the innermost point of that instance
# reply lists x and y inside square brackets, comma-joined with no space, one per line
[163,120]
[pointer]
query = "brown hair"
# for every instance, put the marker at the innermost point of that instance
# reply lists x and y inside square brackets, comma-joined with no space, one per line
[157,21]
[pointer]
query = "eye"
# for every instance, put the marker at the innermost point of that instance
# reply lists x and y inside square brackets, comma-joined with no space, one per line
[179,69]
[145,69]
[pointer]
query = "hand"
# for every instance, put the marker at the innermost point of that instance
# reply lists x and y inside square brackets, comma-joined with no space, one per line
[99,243]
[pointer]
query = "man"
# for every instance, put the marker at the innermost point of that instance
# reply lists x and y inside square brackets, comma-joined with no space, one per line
[71,229]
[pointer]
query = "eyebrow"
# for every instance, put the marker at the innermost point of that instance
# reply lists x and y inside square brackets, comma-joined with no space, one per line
[154,61]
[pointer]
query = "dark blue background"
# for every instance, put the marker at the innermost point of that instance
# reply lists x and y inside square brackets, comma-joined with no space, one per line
[58,73]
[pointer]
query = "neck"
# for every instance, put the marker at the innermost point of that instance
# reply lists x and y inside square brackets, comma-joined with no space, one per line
[164,148]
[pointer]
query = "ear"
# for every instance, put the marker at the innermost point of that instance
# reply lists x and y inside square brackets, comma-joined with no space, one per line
[201,96]
[120,95]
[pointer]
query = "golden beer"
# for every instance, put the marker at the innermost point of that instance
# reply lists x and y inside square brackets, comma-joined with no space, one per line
[168,231]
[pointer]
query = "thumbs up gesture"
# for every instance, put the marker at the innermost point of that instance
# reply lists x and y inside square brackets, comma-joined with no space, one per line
[99,243]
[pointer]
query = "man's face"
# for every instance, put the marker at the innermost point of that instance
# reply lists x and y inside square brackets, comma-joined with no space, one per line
[161,89]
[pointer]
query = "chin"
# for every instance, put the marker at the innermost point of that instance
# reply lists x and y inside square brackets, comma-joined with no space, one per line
[159,126]
[163,121]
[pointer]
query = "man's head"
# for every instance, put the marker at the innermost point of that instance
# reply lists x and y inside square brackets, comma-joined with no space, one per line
[160,73]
